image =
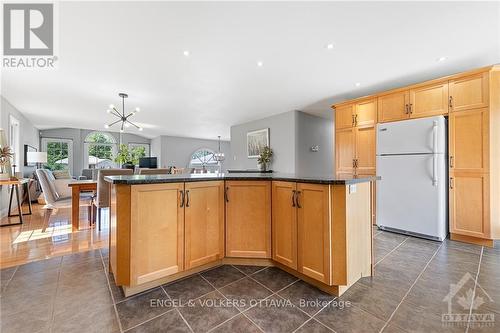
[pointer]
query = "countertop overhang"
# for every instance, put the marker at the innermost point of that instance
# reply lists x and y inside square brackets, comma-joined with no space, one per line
[159,179]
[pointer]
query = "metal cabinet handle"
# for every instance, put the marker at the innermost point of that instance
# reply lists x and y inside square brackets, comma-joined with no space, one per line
[353,120]
[410,109]
[451,183]
[187,198]
[297,199]
[450,102]
[356,120]
[451,162]
[226,197]
[182,198]
[293,198]
[407,111]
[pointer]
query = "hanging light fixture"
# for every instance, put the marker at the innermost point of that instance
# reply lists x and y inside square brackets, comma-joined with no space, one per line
[122,117]
[219,156]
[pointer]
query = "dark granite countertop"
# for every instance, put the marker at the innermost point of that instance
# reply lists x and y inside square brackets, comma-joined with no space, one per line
[158,179]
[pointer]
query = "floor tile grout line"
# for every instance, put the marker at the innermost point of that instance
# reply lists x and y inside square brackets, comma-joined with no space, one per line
[411,287]
[260,270]
[10,279]
[394,249]
[237,308]
[54,297]
[317,312]
[177,309]
[474,291]
[150,319]
[184,319]
[111,293]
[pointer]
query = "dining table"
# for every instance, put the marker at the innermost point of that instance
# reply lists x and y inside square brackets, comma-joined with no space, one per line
[77,187]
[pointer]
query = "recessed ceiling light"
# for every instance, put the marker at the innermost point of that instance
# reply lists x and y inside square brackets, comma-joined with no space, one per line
[329,46]
[357,84]
[260,63]
[186,53]
[440,59]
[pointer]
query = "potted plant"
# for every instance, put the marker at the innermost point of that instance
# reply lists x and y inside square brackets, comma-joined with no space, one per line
[265,158]
[5,156]
[129,158]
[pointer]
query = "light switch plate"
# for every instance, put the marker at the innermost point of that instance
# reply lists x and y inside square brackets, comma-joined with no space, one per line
[352,189]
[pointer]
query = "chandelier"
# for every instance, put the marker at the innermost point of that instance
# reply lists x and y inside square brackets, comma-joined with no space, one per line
[122,117]
[219,156]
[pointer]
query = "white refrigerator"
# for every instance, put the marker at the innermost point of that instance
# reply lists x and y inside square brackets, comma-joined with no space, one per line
[412,163]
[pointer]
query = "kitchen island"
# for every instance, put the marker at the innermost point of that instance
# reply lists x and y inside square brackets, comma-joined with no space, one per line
[166,227]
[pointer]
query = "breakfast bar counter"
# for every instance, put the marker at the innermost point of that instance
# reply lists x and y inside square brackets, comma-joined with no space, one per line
[166,227]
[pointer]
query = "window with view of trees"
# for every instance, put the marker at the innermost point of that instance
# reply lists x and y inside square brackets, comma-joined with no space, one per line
[100,150]
[204,159]
[59,153]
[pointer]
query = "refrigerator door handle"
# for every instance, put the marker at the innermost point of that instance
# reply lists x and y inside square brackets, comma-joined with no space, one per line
[434,151]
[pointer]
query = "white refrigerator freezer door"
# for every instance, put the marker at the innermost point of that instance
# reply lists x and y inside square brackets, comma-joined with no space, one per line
[414,136]
[407,199]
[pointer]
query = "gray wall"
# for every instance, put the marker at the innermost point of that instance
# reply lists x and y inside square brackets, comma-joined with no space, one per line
[314,131]
[29,135]
[78,137]
[281,138]
[177,151]
[291,136]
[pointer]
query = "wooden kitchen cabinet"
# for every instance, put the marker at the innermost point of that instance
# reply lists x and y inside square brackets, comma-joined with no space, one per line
[313,221]
[365,150]
[157,232]
[469,92]
[429,100]
[366,113]
[345,150]
[204,223]
[284,223]
[344,116]
[469,140]
[248,219]
[469,204]
[393,106]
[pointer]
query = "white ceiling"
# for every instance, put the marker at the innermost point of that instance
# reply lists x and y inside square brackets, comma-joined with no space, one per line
[137,47]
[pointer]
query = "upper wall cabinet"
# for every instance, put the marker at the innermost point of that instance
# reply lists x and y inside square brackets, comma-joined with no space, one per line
[366,113]
[469,92]
[393,107]
[344,116]
[429,100]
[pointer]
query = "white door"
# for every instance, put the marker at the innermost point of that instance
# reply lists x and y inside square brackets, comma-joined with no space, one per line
[407,197]
[417,136]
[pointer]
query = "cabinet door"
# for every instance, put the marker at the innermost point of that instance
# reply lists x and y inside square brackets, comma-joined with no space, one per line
[393,107]
[469,92]
[344,116]
[284,224]
[365,150]
[345,150]
[469,140]
[431,100]
[204,223]
[366,113]
[313,217]
[248,219]
[157,232]
[469,204]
